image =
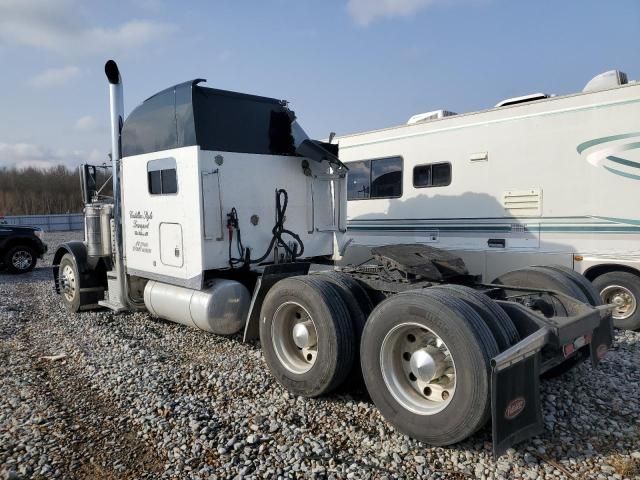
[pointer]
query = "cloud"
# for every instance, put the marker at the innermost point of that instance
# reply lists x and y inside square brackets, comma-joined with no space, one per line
[54,77]
[128,35]
[57,27]
[22,155]
[86,123]
[366,11]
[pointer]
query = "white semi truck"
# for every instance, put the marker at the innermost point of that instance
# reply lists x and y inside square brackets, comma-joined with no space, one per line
[535,180]
[225,216]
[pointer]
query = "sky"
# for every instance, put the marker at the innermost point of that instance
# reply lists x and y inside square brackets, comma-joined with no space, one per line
[345,65]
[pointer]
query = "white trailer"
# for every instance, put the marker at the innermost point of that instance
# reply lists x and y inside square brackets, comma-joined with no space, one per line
[225,217]
[536,180]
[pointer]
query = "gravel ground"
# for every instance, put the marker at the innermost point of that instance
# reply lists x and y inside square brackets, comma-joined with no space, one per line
[137,397]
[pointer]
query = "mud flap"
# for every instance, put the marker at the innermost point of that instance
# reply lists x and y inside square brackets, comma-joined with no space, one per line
[516,412]
[270,275]
[601,340]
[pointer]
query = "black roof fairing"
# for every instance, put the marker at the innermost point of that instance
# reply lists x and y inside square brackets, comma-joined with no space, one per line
[188,114]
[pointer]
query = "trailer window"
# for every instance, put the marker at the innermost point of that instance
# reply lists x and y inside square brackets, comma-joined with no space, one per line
[379,178]
[359,181]
[432,175]
[162,176]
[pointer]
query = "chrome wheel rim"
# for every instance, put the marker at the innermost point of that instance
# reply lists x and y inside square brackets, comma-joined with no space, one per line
[21,259]
[68,282]
[622,298]
[418,368]
[294,337]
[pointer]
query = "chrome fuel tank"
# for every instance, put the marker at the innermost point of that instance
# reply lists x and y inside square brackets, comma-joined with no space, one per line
[221,308]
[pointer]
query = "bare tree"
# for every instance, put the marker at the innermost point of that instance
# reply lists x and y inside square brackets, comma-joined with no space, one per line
[37,191]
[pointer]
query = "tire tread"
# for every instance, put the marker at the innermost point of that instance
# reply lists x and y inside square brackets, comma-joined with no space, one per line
[496,318]
[325,299]
[462,322]
[587,288]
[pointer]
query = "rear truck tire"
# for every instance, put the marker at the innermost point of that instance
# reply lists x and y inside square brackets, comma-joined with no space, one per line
[544,278]
[359,305]
[501,326]
[551,278]
[306,334]
[587,288]
[475,321]
[353,286]
[69,282]
[375,296]
[426,364]
[20,259]
[623,290]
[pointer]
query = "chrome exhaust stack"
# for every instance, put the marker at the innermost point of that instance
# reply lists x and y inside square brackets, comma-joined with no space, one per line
[118,295]
[116,109]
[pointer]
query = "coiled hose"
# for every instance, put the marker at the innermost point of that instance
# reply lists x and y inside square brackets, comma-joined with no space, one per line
[278,230]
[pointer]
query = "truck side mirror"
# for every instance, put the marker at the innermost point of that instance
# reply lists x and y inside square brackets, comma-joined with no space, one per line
[88,182]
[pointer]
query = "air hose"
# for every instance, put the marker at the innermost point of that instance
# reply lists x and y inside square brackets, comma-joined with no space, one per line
[232,223]
[278,230]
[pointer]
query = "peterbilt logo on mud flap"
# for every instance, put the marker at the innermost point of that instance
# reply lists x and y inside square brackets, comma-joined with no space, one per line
[514,408]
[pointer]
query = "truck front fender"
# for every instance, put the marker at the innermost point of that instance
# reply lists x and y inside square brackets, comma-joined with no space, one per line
[91,270]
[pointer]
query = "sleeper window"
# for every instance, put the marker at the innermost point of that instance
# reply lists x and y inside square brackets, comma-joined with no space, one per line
[379,178]
[162,177]
[432,175]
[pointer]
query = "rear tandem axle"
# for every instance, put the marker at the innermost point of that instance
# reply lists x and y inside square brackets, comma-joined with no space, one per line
[439,351]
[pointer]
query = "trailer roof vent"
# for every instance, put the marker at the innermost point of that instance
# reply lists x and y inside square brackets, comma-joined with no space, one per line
[610,79]
[429,116]
[525,98]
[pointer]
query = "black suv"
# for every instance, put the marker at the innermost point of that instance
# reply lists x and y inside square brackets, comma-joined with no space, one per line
[20,247]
